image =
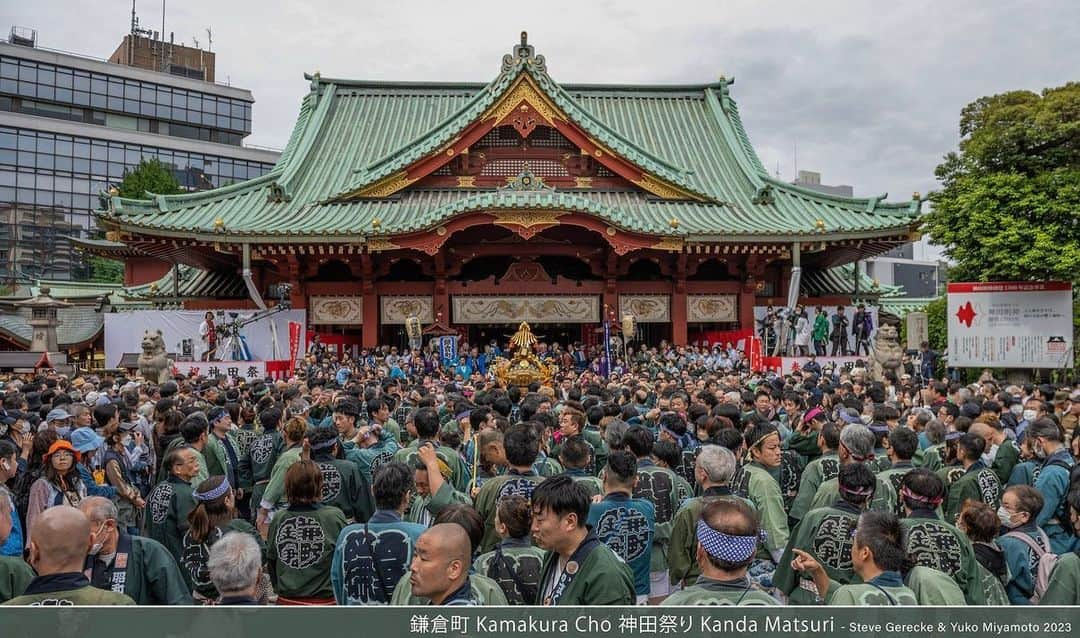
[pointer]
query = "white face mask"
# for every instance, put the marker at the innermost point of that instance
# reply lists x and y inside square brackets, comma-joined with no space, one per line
[1016,409]
[989,457]
[1007,518]
[1029,415]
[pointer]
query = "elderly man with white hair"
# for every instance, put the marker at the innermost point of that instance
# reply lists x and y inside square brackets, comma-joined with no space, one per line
[235,566]
[713,469]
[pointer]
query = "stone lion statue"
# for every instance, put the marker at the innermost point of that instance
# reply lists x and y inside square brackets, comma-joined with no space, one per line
[887,355]
[154,365]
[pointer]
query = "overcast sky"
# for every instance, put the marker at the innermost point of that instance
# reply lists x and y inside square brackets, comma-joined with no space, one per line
[869,92]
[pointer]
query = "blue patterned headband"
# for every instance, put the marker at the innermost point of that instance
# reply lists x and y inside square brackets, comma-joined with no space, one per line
[214,494]
[721,546]
[325,445]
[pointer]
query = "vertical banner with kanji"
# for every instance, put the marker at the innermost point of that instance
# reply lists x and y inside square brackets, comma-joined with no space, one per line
[294,340]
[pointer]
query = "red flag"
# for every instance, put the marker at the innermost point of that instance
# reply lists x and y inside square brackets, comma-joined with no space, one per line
[294,340]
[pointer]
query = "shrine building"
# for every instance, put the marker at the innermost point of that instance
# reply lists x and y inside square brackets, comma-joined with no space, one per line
[477,206]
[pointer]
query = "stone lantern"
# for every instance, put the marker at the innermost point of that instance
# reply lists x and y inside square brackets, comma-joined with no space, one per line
[43,320]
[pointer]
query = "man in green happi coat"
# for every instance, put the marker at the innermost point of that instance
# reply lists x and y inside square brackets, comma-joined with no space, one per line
[825,534]
[758,481]
[877,556]
[1001,452]
[727,537]
[978,482]
[170,502]
[425,423]
[578,569]
[433,488]
[933,543]
[136,566]
[713,470]
[575,454]
[257,463]
[344,485]
[60,539]
[659,486]
[521,445]
[302,538]
[902,444]
[823,468]
[1064,585]
[856,446]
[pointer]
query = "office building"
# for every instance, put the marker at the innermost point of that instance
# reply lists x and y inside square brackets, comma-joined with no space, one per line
[70,126]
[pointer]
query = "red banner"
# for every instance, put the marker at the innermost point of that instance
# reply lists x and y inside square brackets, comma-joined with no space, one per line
[294,339]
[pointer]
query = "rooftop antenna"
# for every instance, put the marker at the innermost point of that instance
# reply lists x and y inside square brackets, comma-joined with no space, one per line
[209,39]
[162,36]
[795,153]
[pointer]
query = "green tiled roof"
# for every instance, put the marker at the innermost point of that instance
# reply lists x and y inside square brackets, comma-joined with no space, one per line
[194,283]
[78,324]
[903,305]
[840,280]
[351,134]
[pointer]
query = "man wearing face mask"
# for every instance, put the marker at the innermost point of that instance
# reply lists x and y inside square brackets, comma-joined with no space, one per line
[1001,454]
[1033,409]
[133,565]
[1052,481]
[1022,540]
[61,539]
[59,420]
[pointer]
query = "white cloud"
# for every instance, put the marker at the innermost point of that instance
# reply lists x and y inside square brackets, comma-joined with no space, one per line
[870,92]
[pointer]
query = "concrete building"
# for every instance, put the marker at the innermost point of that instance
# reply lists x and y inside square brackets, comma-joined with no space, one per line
[70,126]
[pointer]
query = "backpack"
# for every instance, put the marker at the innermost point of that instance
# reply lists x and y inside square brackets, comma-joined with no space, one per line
[1044,562]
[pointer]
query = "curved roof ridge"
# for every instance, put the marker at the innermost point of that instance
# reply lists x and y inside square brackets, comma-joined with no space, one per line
[668,170]
[523,61]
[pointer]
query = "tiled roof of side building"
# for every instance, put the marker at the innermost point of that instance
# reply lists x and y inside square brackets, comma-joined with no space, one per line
[840,281]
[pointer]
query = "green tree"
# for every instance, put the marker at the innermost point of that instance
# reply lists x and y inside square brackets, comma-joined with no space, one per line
[105,270]
[150,176]
[1009,207]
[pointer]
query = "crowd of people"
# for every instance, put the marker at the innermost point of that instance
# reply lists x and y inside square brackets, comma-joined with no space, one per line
[678,477]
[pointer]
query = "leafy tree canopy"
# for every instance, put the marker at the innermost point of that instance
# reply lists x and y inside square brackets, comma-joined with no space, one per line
[1009,208]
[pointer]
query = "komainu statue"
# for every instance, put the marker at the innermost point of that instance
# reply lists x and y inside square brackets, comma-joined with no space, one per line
[154,365]
[887,355]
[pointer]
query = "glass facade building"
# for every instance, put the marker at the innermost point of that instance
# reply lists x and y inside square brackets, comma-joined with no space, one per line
[70,127]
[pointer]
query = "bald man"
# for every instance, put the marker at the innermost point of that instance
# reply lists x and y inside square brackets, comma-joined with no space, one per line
[60,540]
[1001,454]
[440,568]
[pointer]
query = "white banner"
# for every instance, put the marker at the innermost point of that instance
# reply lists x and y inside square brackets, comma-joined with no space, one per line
[233,370]
[124,331]
[837,364]
[1010,325]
